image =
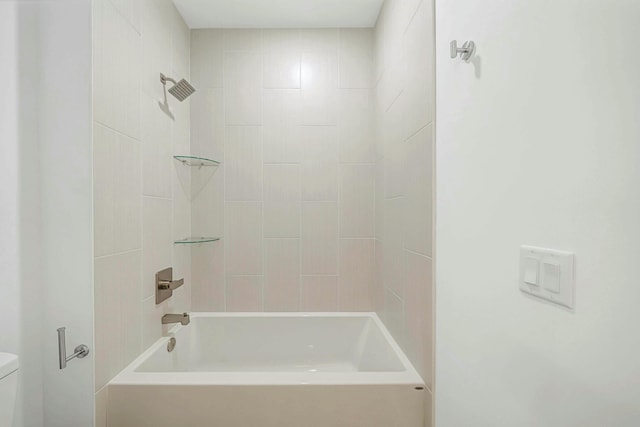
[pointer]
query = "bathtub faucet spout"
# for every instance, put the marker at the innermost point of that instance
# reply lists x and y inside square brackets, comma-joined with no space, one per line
[176,318]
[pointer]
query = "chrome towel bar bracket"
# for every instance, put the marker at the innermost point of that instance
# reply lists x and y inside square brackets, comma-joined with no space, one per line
[79,352]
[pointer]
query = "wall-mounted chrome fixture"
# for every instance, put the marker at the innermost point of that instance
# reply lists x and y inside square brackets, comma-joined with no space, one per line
[165,285]
[80,351]
[181,90]
[466,51]
[183,319]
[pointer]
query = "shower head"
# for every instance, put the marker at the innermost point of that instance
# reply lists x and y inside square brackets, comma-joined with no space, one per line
[181,90]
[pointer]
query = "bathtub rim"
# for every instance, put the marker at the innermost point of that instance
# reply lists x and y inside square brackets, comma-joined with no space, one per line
[129,376]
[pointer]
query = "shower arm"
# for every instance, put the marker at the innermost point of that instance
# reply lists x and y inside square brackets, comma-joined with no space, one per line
[164,79]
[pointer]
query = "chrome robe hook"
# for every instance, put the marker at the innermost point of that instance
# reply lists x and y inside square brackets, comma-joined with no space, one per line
[466,51]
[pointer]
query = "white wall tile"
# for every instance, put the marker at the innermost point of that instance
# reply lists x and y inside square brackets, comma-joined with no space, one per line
[395,170]
[356,131]
[418,308]
[208,278]
[117,85]
[207,53]
[309,127]
[319,40]
[207,204]
[394,316]
[282,182]
[243,40]
[379,200]
[378,44]
[281,122]
[101,399]
[319,93]
[394,210]
[418,218]
[282,200]
[157,150]
[378,284]
[118,313]
[319,238]
[244,293]
[117,184]
[282,275]
[152,320]
[243,238]
[319,82]
[107,326]
[356,58]
[418,50]
[319,293]
[180,45]
[403,109]
[128,203]
[243,163]
[157,241]
[281,219]
[129,278]
[357,200]
[243,88]
[105,152]
[357,269]
[182,185]
[181,128]
[130,10]
[281,58]
[320,171]
[207,124]
[156,46]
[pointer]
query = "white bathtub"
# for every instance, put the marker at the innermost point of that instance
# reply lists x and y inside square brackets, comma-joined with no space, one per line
[271,370]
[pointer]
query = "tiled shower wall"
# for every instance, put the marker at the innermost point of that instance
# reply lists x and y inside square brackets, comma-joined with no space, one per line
[141,201]
[404,114]
[289,114]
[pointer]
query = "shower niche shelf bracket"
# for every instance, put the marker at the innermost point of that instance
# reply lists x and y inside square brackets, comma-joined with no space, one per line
[198,162]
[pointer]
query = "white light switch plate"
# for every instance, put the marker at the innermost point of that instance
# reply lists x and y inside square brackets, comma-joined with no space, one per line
[555,275]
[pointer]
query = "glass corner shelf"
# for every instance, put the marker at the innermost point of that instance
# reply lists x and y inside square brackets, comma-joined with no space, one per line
[196,240]
[196,161]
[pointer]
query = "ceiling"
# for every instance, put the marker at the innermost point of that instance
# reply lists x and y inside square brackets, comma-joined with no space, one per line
[279,13]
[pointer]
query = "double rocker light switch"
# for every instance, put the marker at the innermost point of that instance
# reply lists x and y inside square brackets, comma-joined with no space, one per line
[547,274]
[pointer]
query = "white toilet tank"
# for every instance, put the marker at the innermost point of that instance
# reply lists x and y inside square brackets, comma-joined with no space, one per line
[8,387]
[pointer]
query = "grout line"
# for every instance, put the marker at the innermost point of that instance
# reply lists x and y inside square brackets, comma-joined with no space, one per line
[128,251]
[319,275]
[417,132]
[159,197]
[245,275]
[116,131]
[223,92]
[282,238]
[417,253]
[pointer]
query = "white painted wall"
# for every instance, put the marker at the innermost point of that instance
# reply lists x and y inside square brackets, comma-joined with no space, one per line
[46,190]
[65,204]
[537,143]
[9,290]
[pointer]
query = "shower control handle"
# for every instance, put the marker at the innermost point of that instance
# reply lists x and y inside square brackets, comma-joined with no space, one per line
[79,352]
[466,51]
[170,284]
[165,285]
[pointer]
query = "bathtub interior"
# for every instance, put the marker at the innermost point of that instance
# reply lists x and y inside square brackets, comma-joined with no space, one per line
[276,344]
